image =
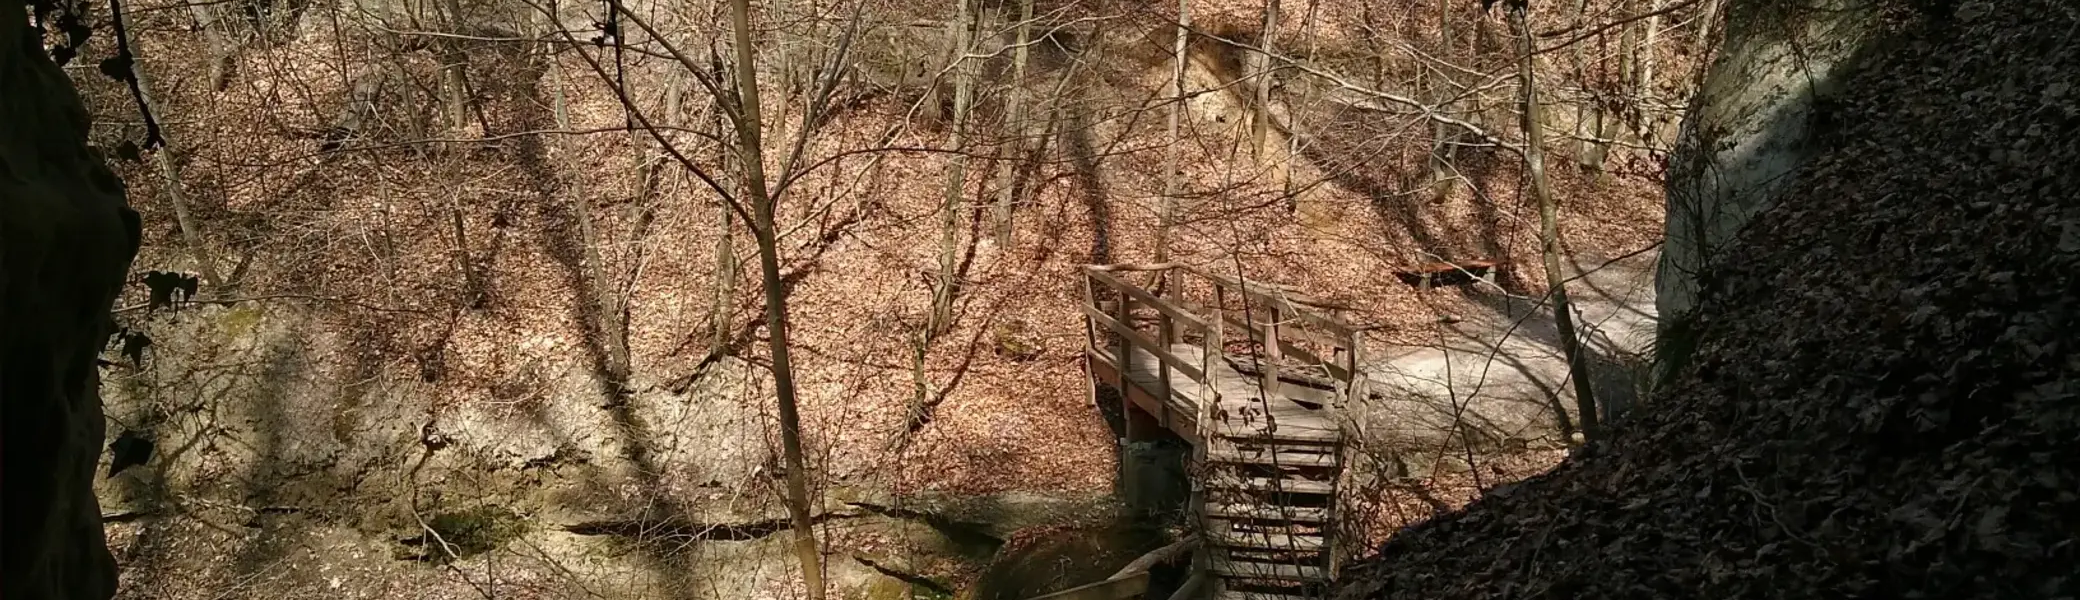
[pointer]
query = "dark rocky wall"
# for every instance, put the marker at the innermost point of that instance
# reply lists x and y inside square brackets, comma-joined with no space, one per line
[66,240]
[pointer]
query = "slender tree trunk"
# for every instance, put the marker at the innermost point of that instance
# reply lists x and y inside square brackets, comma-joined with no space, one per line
[209,17]
[1549,231]
[613,338]
[766,236]
[454,67]
[725,298]
[169,170]
[1015,122]
[1646,109]
[1701,46]
[1260,75]
[1166,213]
[1441,135]
[1587,104]
[956,175]
[1309,95]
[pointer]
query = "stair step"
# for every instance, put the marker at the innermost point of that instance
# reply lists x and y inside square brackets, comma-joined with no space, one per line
[1264,570]
[1268,513]
[1283,434]
[1261,456]
[1272,541]
[1232,594]
[1267,484]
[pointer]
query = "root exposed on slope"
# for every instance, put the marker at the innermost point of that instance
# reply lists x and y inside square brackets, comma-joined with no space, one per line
[1884,404]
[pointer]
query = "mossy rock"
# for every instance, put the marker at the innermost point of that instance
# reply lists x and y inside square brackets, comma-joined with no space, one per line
[239,322]
[1016,340]
[465,533]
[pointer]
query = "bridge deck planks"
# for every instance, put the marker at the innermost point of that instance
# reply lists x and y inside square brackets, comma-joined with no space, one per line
[1242,411]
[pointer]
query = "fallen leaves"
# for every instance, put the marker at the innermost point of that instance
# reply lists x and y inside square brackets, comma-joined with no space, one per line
[1883,409]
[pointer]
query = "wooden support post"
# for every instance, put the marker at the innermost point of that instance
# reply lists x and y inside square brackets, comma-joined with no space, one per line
[1355,392]
[1165,335]
[1268,362]
[1131,419]
[1123,312]
[1090,343]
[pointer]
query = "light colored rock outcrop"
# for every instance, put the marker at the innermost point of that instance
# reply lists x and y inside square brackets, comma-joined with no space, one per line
[66,241]
[1750,128]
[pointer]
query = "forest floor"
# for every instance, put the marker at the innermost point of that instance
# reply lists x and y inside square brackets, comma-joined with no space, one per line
[1883,402]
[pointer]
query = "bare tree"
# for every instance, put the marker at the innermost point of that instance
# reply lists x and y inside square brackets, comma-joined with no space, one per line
[168,163]
[1166,214]
[606,304]
[1549,230]
[1015,123]
[957,175]
[1261,147]
[764,234]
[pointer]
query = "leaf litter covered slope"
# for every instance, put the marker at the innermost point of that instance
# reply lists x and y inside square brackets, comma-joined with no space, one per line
[1915,435]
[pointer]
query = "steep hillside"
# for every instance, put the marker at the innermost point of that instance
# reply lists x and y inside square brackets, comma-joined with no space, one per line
[1882,400]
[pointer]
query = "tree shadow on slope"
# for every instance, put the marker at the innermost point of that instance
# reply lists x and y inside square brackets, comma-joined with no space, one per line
[1397,194]
[1090,183]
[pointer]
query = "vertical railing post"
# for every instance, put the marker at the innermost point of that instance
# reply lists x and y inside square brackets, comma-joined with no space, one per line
[1164,338]
[1090,340]
[1203,428]
[1354,393]
[1267,362]
[1123,313]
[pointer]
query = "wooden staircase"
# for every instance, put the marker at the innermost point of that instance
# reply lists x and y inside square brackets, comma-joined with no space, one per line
[1267,509]
[1255,376]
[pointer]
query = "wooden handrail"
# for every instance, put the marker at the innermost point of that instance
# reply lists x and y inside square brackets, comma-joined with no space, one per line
[1134,338]
[1168,307]
[1285,293]
[1282,302]
[1115,267]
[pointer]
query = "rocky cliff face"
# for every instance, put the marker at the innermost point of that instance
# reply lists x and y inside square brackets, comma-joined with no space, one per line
[66,240]
[1752,124]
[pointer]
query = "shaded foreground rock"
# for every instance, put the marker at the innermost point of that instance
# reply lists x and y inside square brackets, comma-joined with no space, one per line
[66,241]
[1882,400]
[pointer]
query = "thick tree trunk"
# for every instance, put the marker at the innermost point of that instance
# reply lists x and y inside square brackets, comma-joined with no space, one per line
[766,236]
[1548,231]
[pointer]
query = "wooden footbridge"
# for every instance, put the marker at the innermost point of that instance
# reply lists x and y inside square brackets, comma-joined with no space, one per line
[1255,376]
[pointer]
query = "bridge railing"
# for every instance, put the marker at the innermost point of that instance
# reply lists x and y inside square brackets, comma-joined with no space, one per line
[1300,344]
[1298,347]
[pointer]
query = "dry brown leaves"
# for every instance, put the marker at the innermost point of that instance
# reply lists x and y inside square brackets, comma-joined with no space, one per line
[1884,403]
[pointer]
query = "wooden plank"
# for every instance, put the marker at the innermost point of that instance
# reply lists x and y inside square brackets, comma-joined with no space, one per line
[1167,307]
[1280,434]
[1281,302]
[1262,512]
[1269,458]
[1240,595]
[1116,267]
[1136,339]
[1131,586]
[1264,570]
[1270,541]
[1267,484]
